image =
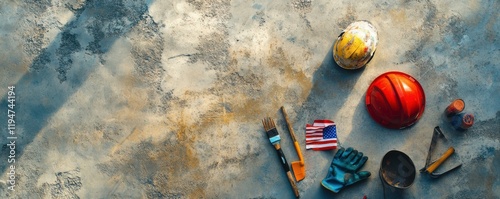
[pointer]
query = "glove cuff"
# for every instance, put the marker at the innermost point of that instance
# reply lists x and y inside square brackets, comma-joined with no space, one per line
[334,180]
[331,186]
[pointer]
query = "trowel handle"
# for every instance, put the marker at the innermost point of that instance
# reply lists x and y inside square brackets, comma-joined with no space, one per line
[292,134]
[440,161]
[290,129]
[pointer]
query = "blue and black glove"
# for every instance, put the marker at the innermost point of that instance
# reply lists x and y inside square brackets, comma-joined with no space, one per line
[343,170]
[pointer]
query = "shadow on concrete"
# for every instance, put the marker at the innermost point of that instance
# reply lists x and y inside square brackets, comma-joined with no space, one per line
[371,130]
[57,73]
[331,88]
[415,140]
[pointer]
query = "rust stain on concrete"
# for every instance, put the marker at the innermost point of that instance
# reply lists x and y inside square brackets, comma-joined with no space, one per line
[398,15]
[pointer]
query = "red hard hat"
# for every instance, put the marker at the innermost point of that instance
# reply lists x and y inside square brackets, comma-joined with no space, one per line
[395,100]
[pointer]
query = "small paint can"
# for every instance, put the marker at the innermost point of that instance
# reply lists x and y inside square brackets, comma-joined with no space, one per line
[455,107]
[462,121]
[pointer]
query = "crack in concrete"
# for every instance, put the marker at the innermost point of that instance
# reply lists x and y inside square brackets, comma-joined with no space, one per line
[182,55]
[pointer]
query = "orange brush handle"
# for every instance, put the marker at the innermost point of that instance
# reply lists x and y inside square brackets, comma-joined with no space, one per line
[299,153]
[440,161]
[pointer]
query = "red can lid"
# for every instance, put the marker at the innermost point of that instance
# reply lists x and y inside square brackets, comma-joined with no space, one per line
[458,105]
[468,120]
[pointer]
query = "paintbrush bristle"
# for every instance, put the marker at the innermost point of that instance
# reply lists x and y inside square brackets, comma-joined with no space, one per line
[272,133]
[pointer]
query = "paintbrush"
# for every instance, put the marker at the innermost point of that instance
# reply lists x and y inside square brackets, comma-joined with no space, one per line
[274,138]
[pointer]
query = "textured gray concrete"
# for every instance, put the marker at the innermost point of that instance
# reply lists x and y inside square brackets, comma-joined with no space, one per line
[164,99]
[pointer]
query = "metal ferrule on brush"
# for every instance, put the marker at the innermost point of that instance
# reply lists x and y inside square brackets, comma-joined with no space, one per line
[274,136]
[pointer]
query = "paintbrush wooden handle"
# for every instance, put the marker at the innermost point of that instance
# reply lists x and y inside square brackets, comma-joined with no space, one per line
[292,182]
[440,161]
[284,163]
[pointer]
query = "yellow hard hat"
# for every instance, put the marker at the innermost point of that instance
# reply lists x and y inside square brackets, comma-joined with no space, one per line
[356,45]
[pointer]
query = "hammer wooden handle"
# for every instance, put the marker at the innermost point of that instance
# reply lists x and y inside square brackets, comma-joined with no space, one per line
[440,161]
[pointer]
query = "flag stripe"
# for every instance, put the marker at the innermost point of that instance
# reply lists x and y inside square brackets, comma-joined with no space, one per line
[320,135]
[323,140]
[323,122]
[325,148]
[320,145]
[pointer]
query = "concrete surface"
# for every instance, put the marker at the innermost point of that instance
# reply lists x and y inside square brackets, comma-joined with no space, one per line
[164,99]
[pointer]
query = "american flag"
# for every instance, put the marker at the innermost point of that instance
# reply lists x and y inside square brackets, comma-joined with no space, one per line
[322,135]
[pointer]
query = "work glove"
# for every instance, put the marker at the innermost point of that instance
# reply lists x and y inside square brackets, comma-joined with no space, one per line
[342,171]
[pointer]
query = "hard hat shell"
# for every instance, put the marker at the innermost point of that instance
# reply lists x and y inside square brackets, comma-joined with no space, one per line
[356,45]
[395,100]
